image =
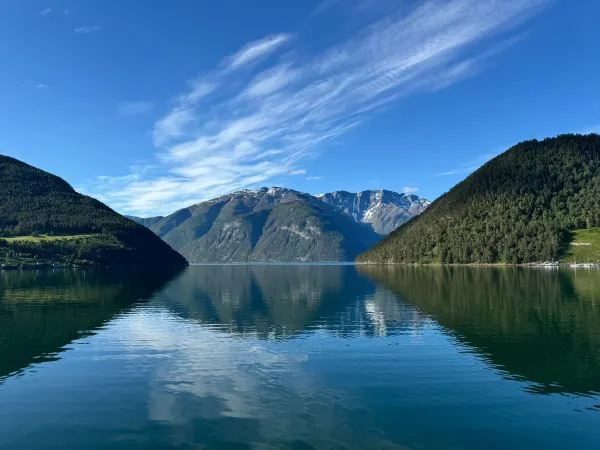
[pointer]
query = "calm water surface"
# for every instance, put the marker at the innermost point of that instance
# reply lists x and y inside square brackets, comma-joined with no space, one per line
[301,357]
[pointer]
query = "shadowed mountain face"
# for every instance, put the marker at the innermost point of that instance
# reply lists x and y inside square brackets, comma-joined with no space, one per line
[269,224]
[540,326]
[82,230]
[41,312]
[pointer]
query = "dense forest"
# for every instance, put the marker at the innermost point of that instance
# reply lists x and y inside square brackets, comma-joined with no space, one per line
[522,206]
[77,229]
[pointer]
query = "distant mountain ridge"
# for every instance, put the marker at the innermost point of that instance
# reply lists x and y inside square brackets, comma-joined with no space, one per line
[263,225]
[383,210]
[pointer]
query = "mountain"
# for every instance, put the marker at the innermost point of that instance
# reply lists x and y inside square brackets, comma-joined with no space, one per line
[268,224]
[44,221]
[146,221]
[383,210]
[522,206]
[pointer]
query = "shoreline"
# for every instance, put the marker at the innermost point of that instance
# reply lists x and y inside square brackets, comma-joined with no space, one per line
[548,265]
[536,265]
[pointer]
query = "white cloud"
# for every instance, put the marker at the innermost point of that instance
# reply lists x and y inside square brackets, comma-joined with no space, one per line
[270,81]
[237,128]
[134,108]
[458,171]
[87,29]
[256,50]
[324,6]
[410,189]
[30,84]
[173,125]
[46,11]
[314,178]
[470,166]
[297,172]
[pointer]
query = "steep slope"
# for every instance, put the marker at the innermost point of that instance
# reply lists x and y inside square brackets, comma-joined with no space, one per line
[383,210]
[44,221]
[268,224]
[519,207]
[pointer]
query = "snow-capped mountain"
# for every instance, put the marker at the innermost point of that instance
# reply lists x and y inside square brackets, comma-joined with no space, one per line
[267,224]
[383,210]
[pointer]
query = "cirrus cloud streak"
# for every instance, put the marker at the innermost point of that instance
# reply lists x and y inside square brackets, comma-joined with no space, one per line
[261,112]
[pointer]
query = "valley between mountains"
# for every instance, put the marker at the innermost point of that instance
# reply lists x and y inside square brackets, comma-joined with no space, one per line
[538,202]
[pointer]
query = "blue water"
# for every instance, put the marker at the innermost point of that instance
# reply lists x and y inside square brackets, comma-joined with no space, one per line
[301,357]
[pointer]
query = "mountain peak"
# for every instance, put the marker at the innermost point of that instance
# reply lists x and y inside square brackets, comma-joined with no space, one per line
[265,224]
[382,209]
[274,191]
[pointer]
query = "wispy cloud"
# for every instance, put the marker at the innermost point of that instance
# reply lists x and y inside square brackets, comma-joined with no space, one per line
[180,120]
[314,178]
[470,166]
[410,189]
[87,29]
[256,50]
[297,172]
[134,108]
[32,85]
[46,11]
[235,128]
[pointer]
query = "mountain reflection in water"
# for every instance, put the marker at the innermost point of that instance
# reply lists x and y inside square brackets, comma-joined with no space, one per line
[299,356]
[538,325]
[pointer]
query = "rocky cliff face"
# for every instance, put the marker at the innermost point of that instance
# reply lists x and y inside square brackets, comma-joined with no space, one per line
[268,224]
[383,210]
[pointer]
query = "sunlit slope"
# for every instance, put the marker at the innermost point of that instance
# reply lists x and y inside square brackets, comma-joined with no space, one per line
[584,247]
[519,207]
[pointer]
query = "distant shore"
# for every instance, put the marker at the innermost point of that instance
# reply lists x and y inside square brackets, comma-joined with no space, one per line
[538,265]
[544,265]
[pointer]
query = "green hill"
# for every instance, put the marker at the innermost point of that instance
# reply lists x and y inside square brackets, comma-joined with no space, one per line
[523,206]
[44,221]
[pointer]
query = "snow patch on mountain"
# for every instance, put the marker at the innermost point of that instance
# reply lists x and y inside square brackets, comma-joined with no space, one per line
[383,210]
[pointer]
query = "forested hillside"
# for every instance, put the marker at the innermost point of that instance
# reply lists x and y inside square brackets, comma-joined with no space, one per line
[44,221]
[522,206]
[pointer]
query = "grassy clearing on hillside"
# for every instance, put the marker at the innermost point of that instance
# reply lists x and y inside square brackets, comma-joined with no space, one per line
[60,250]
[584,247]
[47,238]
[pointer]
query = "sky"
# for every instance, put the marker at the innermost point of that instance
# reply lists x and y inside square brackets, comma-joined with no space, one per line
[153,106]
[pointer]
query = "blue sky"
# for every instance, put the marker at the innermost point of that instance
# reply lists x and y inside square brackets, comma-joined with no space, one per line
[152,106]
